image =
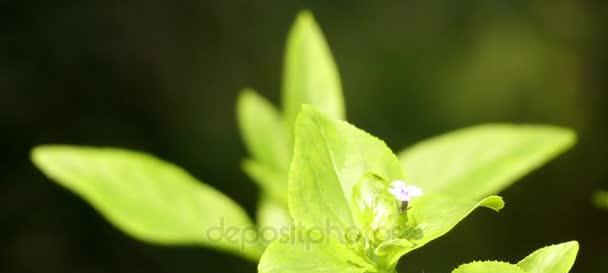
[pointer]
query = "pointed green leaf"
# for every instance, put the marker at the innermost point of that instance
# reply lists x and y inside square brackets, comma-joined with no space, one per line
[311,253]
[482,160]
[435,215]
[330,156]
[552,259]
[263,131]
[149,199]
[600,199]
[488,267]
[310,74]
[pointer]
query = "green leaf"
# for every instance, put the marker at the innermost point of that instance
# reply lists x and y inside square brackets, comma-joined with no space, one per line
[149,199]
[263,131]
[435,215]
[330,156]
[310,74]
[488,267]
[600,199]
[312,253]
[482,160]
[552,259]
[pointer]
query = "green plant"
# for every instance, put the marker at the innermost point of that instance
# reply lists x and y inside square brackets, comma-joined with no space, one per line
[314,170]
[551,259]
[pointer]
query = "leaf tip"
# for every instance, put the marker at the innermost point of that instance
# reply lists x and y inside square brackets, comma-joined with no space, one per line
[493,202]
[568,135]
[573,244]
[570,246]
[564,137]
[305,17]
[305,25]
[35,152]
[41,153]
[559,257]
[245,95]
[247,92]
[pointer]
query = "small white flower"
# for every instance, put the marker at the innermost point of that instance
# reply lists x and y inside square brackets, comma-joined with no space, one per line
[403,192]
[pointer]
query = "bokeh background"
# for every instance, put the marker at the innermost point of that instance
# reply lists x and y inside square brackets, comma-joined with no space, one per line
[163,76]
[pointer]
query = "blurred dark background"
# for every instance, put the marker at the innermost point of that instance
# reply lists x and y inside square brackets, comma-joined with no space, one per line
[163,76]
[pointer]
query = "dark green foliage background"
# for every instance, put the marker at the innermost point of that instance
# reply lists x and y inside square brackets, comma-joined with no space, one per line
[163,76]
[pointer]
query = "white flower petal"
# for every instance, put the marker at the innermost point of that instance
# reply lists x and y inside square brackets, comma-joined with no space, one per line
[403,192]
